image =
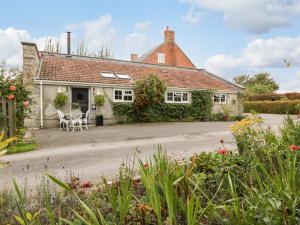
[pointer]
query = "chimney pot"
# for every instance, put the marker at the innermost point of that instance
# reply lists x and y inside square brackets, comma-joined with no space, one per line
[169,35]
[69,43]
[134,57]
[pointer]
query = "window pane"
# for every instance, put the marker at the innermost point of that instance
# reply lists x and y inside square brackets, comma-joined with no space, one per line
[170,96]
[128,92]
[118,95]
[185,97]
[216,98]
[127,98]
[223,98]
[177,97]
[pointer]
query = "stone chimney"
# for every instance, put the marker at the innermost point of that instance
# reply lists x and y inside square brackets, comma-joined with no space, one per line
[31,61]
[169,35]
[133,57]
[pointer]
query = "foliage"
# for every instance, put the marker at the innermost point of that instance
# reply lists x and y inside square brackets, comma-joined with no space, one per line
[292,96]
[157,112]
[3,145]
[21,147]
[60,99]
[13,77]
[202,104]
[265,97]
[298,108]
[275,107]
[99,100]
[261,83]
[148,92]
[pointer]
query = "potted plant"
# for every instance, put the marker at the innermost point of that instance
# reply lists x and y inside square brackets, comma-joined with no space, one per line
[99,102]
[226,112]
[60,100]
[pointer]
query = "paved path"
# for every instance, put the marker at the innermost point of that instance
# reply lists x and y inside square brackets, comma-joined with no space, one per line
[101,150]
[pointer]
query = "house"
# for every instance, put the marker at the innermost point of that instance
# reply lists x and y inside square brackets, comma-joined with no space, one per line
[82,77]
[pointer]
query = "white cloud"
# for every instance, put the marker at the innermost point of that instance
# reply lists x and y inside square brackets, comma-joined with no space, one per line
[193,16]
[10,46]
[255,16]
[137,42]
[261,53]
[96,32]
[142,25]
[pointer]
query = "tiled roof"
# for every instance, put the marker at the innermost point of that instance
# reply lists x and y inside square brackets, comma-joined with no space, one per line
[59,67]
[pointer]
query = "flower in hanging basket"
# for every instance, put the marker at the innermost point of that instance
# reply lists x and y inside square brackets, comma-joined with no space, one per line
[11,97]
[26,104]
[12,88]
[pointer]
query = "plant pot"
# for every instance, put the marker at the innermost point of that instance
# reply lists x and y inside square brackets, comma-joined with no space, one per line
[99,120]
[225,117]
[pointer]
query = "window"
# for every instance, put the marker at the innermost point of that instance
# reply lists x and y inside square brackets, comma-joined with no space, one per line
[107,75]
[220,98]
[160,57]
[122,76]
[177,97]
[123,95]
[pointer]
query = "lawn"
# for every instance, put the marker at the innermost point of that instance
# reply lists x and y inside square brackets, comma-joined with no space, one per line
[258,183]
[21,147]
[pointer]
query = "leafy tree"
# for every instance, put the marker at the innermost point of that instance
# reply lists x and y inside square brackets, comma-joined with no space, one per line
[261,83]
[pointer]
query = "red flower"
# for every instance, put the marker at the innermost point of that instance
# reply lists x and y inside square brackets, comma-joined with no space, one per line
[223,151]
[12,88]
[86,184]
[222,141]
[26,104]
[11,97]
[146,165]
[294,147]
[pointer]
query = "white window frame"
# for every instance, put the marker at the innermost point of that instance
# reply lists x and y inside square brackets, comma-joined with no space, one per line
[161,58]
[123,95]
[222,98]
[181,97]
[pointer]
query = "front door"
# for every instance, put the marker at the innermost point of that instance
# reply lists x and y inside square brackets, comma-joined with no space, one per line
[80,98]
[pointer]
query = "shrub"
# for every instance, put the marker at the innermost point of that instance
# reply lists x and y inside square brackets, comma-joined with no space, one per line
[149,105]
[265,97]
[273,107]
[292,96]
[60,100]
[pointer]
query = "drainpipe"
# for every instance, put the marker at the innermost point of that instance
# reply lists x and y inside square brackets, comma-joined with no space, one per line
[41,104]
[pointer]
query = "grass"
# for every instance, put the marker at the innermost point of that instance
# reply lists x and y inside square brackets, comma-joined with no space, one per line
[21,147]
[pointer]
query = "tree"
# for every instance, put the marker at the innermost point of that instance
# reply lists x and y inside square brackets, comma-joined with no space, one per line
[260,83]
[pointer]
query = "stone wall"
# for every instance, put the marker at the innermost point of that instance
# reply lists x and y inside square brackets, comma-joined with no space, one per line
[233,101]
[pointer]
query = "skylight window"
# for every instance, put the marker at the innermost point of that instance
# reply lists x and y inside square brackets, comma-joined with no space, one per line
[122,76]
[107,75]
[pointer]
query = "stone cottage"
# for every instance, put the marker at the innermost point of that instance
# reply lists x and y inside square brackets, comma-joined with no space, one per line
[83,77]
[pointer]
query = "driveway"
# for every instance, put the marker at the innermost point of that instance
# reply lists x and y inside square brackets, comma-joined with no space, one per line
[101,150]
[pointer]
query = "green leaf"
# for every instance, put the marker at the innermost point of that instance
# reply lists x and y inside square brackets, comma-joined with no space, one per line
[60,183]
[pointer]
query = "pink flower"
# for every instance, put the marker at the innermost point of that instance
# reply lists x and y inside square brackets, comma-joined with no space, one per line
[11,97]
[86,184]
[294,147]
[26,104]
[223,151]
[12,88]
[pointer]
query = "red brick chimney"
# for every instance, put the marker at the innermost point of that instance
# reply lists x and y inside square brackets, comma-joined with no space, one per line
[133,57]
[169,35]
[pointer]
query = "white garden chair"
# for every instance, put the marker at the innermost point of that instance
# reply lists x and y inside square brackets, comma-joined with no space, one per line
[85,119]
[62,120]
[76,121]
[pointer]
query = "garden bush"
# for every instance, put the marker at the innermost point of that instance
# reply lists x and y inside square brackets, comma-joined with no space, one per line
[265,97]
[292,96]
[273,107]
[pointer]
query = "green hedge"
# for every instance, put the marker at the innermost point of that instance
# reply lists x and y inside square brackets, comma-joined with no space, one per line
[273,107]
[199,109]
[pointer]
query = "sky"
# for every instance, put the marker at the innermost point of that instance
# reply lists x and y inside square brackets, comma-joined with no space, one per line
[226,37]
